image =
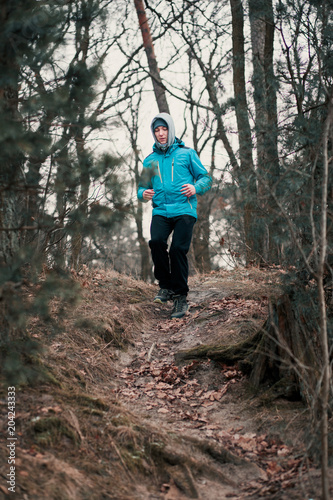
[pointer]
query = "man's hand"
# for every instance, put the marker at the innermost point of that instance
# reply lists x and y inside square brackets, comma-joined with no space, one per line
[188,190]
[148,194]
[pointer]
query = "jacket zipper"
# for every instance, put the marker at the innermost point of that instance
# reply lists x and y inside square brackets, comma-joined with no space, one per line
[173,161]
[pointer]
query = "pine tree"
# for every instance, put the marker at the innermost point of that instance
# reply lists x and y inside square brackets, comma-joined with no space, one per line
[47,113]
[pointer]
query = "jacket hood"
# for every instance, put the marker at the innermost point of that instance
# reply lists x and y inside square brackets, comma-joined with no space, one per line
[171,129]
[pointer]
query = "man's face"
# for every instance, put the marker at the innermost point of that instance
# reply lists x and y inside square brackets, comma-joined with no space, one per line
[161,134]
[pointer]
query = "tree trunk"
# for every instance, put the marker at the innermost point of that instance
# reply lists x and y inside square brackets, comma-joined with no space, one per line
[201,232]
[63,165]
[11,179]
[246,176]
[201,235]
[33,177]
[146,268]
[146,272]
[159,89]
[326,369]
[83,42]
[264,84]
[82,209]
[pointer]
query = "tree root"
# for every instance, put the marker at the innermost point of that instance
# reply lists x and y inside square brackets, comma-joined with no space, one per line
[284,351]
[229,354]
[183,468]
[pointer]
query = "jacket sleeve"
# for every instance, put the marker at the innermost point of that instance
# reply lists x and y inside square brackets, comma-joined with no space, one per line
[203,179]
[145,182]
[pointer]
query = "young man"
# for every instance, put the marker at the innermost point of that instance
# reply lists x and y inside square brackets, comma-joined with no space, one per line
[172,176]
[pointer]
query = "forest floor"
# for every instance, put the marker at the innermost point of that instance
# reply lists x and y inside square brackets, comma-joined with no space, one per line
[118,417]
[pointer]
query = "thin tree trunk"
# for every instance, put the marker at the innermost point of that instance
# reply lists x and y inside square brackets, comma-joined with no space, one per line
[201,232]
[146,272]
[37,159]
[221,131]
[83,40]
[82,210]
[63,163]
[159,89]
[146,268]
[325,386]
[201,235]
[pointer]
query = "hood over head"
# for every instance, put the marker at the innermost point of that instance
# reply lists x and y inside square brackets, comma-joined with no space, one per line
[171,130]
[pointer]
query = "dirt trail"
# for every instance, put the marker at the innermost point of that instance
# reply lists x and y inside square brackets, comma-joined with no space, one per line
[205,402]
[120,419]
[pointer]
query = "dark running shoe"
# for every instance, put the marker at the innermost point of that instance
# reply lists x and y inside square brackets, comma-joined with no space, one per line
[163,296]
[180,306]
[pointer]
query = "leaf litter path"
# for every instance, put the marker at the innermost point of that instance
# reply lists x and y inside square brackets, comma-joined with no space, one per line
[207,401]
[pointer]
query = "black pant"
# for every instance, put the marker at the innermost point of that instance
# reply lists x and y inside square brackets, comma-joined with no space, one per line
[171,268]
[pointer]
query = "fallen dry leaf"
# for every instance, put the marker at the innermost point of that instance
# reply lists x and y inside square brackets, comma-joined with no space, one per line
[162,410]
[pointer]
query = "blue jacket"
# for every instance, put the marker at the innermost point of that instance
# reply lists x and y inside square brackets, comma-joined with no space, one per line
[166,172]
